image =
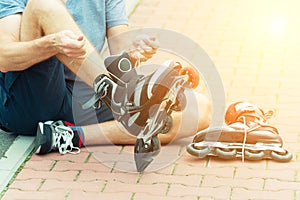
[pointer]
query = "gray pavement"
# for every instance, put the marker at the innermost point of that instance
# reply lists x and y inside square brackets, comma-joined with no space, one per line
[5,141]
[19,149]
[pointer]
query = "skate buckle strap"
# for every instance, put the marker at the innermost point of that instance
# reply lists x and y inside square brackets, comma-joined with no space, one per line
[101,90]
[63,140]
[138,62]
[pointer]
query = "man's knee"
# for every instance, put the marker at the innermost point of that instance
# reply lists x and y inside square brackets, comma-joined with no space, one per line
[206,106]
[40,7]
[200,108]
[34,16]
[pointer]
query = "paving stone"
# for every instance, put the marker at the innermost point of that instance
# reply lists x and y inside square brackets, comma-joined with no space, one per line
[52,185]
[40,165]
[68,165]
[34,195]
[153,178]
[87,175]
[242,193]
[215,181]
[26,174]
[27,185]
[79,194]
[277,185]
[283,175]
[154,189]
[222,192]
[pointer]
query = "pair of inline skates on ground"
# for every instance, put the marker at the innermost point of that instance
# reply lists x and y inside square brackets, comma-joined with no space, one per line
[143,105]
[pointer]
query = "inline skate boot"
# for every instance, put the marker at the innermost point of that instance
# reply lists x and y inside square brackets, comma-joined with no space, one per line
[247,134]
[142,104]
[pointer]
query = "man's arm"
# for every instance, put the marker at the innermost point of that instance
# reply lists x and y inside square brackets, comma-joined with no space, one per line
[16,55]
[141,48]
[115,43]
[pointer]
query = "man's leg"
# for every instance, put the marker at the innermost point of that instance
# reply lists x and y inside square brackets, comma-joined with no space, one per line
[43,18]
[195,117]
[36,94]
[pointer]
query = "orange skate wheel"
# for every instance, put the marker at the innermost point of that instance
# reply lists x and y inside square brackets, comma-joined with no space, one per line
[194,78]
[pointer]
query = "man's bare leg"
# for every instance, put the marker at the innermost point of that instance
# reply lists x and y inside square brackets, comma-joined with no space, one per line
[195,117]
[43,18]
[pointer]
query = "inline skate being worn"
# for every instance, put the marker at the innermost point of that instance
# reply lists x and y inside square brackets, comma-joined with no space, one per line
[142,104]
[247,134]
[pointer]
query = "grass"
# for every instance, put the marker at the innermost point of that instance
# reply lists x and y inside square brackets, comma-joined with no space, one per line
[15,175]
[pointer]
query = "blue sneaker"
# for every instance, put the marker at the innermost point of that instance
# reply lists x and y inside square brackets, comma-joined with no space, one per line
[54,136]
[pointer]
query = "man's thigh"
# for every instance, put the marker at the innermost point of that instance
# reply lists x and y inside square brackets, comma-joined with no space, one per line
[37,94]
[38,15]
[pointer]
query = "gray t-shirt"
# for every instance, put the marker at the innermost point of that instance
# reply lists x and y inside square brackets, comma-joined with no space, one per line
[92,16]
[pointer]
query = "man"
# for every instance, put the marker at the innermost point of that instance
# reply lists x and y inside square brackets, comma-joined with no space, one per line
[39,43]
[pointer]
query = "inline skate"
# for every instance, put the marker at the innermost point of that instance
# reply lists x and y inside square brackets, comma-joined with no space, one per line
[247,134]
[142,104]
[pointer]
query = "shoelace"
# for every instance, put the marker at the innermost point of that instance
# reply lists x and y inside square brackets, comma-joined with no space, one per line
[245,139]
[262,120]
[63,140]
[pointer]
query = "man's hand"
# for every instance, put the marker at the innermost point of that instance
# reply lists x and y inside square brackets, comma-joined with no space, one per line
[144,47]
[68,43]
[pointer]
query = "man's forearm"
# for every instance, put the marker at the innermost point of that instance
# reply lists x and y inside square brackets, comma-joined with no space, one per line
[116,43]
[16,56]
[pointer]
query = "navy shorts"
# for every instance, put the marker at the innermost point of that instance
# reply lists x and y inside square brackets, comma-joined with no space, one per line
[41,93]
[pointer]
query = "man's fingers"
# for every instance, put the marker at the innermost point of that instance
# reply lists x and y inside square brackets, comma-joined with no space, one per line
[146,41]
[71,43]
[69,39]
[144,47]
[152,42]
[72,35]
[141,57]
[80,38]
[74,52]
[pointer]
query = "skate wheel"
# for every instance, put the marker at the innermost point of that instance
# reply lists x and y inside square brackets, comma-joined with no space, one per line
[226,153]
[282,157]
[254,155]
[194,78]
[198,152]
